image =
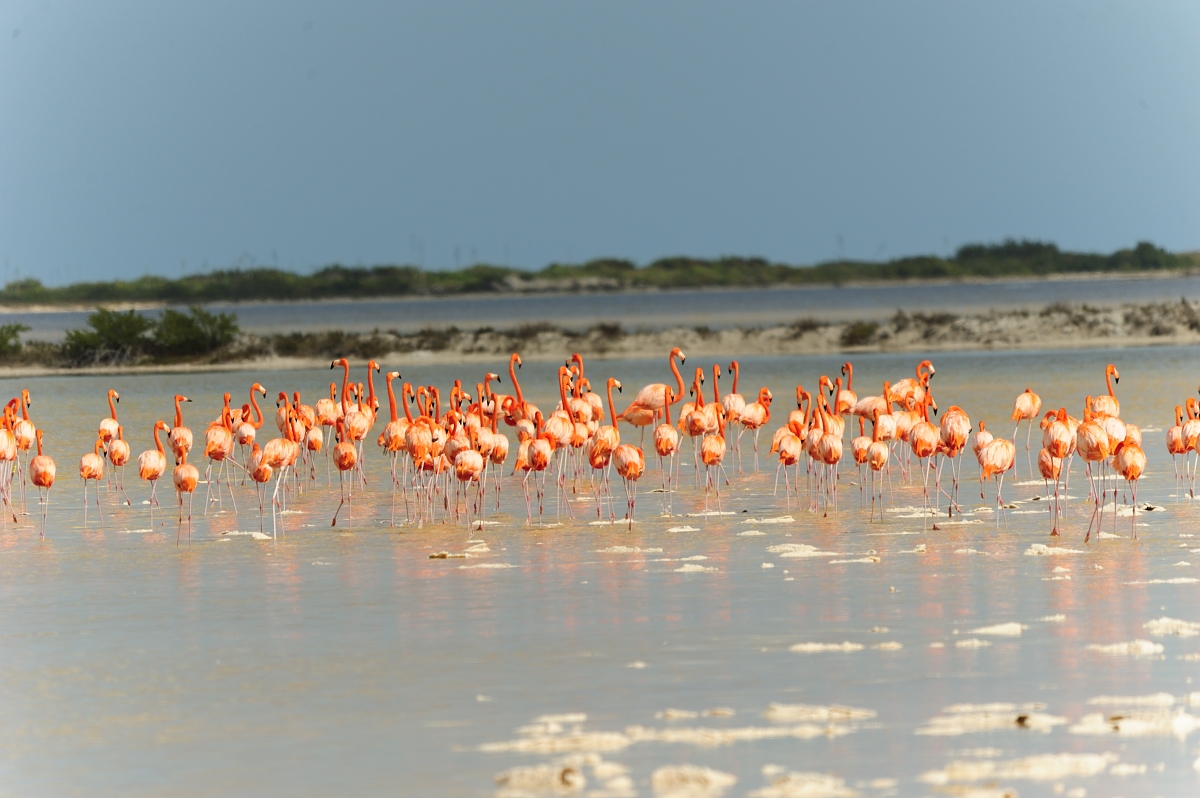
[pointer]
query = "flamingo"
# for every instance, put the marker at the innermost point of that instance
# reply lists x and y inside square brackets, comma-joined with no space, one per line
[118,455]
[666,443]
[846,398]
[1175,443]
[91,466]
[180,437]
[152,464]
[712,452]
[218,445]
[185,477]
[733,404]
[260,474]
[1092,442]
[1050,468]
[913,388]
[630,464]
[41,473]
[653,397]
[345,458]
[877,459]
[756,415]
[247,429]
[1026,408]
[1130,462]
[108,426]
[996,459]
[1108,405]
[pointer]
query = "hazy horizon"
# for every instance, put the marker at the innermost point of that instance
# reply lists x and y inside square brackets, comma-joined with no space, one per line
[142,138]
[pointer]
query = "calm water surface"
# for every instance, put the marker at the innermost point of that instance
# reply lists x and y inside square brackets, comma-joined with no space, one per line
[346,661]
[658,310]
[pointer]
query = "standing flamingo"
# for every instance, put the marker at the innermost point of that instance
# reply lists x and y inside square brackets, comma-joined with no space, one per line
[653,397]
[185,477]
[1130,462]
[41,473]
[345,458]
[152,464]
[756,415]
[180,437]
[118,455]
[1108,405]
[91,466]
[108,426]
[666,444]
[712,452]
[630,464]
[996,459]
[846,398]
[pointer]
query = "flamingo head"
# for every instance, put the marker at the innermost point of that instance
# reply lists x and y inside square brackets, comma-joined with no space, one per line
[259,388]
[25,397]
[764,397]
[1113,371]
[372,365]
[678,353]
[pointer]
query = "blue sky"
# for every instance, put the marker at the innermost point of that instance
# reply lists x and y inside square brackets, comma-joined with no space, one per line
[150,137]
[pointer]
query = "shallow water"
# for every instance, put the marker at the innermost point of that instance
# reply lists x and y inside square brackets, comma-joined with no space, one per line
[664,309]
[346,661]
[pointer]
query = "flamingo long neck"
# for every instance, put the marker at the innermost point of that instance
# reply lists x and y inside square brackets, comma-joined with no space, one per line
[849,376]
[495,410]
[39,443]
[612,409]
[226,421]
[25,406]
[392,399]
[678,377]
[359,398]
[716,377]
[1107,379]
[405,390]
[563,376]
[699,393]
[766,405]
[345,384]
[437,403]
[256,420]
[112,406]
[1178,416]
[578,358]
[736,373]
[98,447]
[178,413]
[667,408]
[157,442]
[837,391]
[370,386]
[512,373]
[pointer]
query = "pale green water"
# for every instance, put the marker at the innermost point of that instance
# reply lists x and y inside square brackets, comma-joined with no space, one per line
[348,662]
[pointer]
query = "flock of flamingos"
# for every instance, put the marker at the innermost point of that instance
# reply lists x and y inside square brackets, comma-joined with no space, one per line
[437,455]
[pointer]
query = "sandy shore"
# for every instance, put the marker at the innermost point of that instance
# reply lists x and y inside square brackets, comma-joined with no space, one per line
[1057,326]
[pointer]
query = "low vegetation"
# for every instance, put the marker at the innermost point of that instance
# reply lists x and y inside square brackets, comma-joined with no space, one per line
[1008,259]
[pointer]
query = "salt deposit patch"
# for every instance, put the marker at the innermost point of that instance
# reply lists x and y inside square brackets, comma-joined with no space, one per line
[812,713]
[683,529]
[1043,767]
[1152,700]
[692,568]
[561,743]
[918,549]
[799,551]
[1161,627]
[855,560]
[690,781]
[817,648]
[749,533]
[1053,618]
[1134,648]
[713,737]
[1179,580]
[144,531]
[627,550]
[1139,723]
[971,551]
[526,779]
[1042,550]
[804,785]
[779,519]
[891,645]
[972,642]
[488,566]
[1012,629]
[971,718]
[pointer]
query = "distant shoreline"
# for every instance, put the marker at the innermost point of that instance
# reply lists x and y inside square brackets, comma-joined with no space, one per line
[1057,277]
[1058,326]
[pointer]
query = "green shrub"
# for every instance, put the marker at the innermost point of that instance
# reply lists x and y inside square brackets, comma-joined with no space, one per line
[859,333]
[200,333]
[10,339]
[115,337]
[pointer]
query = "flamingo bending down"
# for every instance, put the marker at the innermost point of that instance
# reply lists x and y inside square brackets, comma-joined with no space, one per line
[996,459]
[1130,462]
[152,464]
[108,426]
[1026,408]
[41,473]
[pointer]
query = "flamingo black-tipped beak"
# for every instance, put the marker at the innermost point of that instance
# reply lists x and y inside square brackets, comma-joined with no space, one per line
[1116,379]
[333,364]
[187,400]
[619,389]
